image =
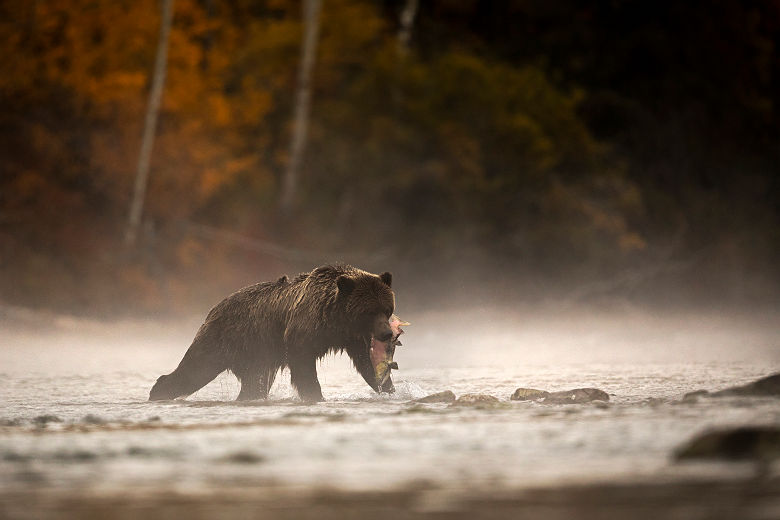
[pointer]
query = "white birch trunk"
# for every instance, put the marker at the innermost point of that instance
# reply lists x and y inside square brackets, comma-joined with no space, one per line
[407,21]
[311,22]
[150,126]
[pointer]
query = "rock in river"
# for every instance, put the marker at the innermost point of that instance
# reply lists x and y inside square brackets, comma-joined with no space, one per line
[528,394]
[745,442]
[575,396]
[476,400]
[769,385]
[440,397]
[766,386]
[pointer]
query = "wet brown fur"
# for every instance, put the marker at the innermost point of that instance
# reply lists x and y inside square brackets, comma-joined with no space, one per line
[265,327]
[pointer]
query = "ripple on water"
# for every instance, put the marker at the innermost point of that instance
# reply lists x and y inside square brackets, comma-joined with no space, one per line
[108,436]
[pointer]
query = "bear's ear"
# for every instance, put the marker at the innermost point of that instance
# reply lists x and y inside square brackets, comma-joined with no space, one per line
[387,278]
[345,285]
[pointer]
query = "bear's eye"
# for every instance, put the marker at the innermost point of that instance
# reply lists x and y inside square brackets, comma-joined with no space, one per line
[385,337]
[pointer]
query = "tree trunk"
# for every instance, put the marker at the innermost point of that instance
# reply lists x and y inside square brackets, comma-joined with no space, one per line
[311,22]
[407,21]
[150,126]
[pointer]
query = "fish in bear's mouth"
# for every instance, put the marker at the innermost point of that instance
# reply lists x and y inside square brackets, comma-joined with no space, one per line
[381,354]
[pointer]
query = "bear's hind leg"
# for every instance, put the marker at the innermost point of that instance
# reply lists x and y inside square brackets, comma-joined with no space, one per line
[251,389]
[256,379]
[303,376]
[256,387]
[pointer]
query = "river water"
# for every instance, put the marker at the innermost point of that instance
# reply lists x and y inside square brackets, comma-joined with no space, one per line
[74,412]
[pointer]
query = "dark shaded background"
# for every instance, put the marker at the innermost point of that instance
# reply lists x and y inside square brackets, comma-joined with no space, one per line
[517,151]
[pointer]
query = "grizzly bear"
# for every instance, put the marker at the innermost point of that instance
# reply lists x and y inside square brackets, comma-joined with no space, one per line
[265,327]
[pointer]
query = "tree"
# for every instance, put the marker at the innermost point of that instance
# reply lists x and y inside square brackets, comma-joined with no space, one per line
[311,21]
[407,22]
[150,126]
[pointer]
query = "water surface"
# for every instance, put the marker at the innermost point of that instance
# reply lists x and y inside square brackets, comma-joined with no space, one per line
[75,416]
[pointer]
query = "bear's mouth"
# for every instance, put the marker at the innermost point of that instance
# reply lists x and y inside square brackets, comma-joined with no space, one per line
[381,354]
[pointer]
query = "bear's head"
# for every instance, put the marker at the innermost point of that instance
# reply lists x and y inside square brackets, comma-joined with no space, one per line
[368,302]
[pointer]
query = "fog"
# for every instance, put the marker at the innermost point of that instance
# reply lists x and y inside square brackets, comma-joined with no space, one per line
[574,198]
[465,337]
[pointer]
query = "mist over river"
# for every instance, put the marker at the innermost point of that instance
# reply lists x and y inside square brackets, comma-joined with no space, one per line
[75,418]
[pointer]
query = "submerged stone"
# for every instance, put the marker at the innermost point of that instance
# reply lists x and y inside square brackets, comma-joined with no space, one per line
[528,394]
[244,457]
[75,456]
[439,397]
[476,400]
[746,442]
[12,456]
[576,396]
[43,420]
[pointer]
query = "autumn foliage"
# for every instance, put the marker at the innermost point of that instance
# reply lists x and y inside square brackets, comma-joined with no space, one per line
[457,154]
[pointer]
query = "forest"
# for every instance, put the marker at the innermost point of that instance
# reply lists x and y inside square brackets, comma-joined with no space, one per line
[504,151]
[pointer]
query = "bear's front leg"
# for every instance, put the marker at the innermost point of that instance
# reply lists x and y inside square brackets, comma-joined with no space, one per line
[303,376]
